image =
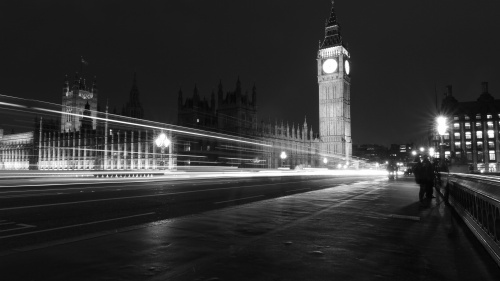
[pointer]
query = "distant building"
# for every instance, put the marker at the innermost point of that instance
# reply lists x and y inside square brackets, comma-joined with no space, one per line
[371,152]
[133,107]
[235,114]
[401,153]
[473,134]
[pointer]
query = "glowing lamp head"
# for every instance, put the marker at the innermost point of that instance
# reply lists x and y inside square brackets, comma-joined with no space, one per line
[432,152]
[441,125]
[347,67]
[414,153]
[422,149]
[162,140]
[330,65]
[325,160]
[283,155]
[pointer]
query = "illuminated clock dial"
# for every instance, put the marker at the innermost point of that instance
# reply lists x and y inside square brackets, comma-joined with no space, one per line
[330,65]
[347,67]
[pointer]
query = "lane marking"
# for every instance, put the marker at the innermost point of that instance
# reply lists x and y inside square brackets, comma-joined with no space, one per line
[130,197]
[238,199]
[23,226]
[74,225]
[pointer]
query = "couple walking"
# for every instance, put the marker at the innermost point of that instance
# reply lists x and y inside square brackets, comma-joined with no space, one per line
[424,176]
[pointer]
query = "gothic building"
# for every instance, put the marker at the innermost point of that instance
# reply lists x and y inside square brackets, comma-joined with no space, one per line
[334,91]
[235,114]
[133,107]
[74,99]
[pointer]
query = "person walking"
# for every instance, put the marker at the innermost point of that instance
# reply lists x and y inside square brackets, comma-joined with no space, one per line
[424,177]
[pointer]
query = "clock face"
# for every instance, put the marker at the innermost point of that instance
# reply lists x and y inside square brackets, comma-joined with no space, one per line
[347,67]
[330,65]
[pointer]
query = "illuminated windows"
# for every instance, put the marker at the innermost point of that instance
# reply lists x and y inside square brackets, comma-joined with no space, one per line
[491,134]
[492,155]
[456,126]
[491,145]
[467,125]
[457,145]
[479,134]
[468,145]
[479,145]
[468,135]
[457,135]
[478,125]
[490,124]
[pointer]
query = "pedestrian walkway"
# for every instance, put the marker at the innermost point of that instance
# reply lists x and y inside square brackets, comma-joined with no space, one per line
[372,230]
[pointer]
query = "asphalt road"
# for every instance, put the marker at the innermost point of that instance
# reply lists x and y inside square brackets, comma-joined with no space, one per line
[36,214]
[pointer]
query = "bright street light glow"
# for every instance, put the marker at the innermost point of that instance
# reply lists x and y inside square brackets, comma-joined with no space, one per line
[432,152]
[162,140]
[283,155]
[441,125]
[413,153]
[325,160]
[422,149]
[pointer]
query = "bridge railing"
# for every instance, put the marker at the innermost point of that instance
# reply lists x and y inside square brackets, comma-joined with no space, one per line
[476,198]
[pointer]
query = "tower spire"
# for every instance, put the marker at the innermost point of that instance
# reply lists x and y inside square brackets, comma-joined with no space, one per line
[332,31]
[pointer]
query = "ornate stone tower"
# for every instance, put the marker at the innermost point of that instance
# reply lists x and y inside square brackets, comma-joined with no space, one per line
[334,91]
[74,100]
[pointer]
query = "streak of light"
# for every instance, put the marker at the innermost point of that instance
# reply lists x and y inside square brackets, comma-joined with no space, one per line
[238,199]
[74,225]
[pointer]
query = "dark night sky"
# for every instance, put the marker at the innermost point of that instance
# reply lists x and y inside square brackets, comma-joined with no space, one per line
[400,51]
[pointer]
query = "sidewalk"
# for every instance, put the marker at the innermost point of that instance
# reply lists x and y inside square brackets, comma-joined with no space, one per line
[374,230]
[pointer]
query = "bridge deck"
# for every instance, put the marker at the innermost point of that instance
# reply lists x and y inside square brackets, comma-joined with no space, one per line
[371,230]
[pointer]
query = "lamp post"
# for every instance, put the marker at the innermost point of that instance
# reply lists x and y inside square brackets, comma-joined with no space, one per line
[441,129]
[283,157]
[162,142]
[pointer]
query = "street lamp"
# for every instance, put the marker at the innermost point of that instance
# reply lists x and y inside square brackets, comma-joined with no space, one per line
[283,157]
[422,149]
[162,142]
[432,152]
[325,161]
[441,129]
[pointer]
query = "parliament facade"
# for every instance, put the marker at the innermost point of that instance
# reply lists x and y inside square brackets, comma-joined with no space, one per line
[87,138]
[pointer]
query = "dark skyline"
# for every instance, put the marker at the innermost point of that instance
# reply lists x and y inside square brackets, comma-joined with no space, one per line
[402,52]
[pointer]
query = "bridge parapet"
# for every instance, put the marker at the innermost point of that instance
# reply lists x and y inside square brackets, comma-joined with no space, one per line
[476,198]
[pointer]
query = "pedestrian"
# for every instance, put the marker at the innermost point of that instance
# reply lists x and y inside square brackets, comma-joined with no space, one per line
[424,176]
[428,176]
[417,171]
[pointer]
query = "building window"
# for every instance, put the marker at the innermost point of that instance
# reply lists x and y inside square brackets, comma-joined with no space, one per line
[467,117]
[468,135]
[457,145]
[479,145]
[491,145]
[491,134]
[458,154]
[446,136]
[492,155]
[468,145]
[478,116]
[489,116]
[467,125]
[479,134]
[457,135]
[208,147]
[478,125]
[469,156]
[455,117]
[490,124]
[480,156]
[456,126]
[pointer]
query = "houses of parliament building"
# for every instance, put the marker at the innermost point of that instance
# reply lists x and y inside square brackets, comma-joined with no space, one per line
[84,137]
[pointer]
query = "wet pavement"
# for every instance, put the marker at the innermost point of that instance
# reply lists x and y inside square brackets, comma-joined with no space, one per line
[372,230]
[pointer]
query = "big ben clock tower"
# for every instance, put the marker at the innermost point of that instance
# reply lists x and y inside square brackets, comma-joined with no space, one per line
[334,91]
